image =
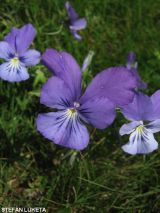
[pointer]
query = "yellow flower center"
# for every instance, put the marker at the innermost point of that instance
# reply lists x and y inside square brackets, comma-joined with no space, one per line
[15,61]
[140,128]
[71,112]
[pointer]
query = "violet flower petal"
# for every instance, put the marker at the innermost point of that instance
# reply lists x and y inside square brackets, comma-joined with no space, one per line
[56,94]
[30,57]
[140,109]
[154,126]
[116,84]
[98,112]
[76,35]
[140,142]
[62,130]
[71,12]
[20,39]
[155,98]
[79,24]
[12,73]
[24,38]
[11,37]
[127,129]
[6,51]
[64,66]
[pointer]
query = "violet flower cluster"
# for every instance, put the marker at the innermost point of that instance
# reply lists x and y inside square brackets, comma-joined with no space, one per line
[72,108]
[111,88]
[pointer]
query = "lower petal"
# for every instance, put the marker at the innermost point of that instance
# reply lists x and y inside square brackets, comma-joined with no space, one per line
[13,74]
[61,130]
[100,112]
[76,35]
[30,58]
[140,143]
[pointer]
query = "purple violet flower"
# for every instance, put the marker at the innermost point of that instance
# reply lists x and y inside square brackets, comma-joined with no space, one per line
[132,65]
[112,87]
[14,50]
[144,112]
[75,23]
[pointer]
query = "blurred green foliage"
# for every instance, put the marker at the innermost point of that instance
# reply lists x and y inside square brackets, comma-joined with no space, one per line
[34,171]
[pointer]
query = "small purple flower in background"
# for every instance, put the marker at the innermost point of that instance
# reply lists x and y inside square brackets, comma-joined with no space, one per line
[75,23]
[14,50]
[132,65]
[96,106]
[141,110]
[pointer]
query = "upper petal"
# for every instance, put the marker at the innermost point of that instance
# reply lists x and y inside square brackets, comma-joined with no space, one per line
[30,57]
[140,109]
[115,83]
[79,24]
[22,38]
[11,73]
[10,38]
[140,143]
[99,112]
[61,130]
[56,94]
[6,51]
[155,98]
[128,128]
[64,66]
[71,12]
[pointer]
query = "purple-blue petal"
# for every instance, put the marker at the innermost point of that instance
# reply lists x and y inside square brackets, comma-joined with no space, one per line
[24,38]
[99,112]
[140,143]
[117,84]
[13,74]
[56,94]
[30,57]
[79,24]
[71,12]
[10,38]
[153,126]
[21,39]
[64,66]
[76,35]
[155,98]
[6,51]
[63,131]
[140,109]
[129,128]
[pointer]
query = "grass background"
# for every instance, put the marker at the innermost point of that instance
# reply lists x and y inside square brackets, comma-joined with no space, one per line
[100,179]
